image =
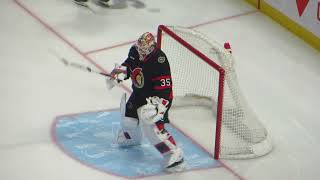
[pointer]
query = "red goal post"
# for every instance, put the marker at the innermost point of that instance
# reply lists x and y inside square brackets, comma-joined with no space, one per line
[194,58]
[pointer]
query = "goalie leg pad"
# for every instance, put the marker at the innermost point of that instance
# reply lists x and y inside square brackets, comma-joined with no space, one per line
[155,131]
[130,133]
[164,143]
[159,137]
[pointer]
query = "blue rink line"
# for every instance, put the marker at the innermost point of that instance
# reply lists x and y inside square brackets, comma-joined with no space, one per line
[90,138]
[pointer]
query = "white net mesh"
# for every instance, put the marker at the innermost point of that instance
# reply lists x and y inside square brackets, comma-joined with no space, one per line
[196,83]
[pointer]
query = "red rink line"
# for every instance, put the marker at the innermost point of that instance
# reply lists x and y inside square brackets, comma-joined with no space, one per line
[223,19]
[86,57]
[110,47]
[190,27]
[74,47]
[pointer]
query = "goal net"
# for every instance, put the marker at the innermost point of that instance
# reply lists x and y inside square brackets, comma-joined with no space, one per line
[203,76]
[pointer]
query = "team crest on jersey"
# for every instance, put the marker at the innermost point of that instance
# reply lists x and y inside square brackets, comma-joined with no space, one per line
[137,77]
[161,59]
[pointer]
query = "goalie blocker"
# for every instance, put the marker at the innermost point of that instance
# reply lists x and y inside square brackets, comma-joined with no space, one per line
[148,106]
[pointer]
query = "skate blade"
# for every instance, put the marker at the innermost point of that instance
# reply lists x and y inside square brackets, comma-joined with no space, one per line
[178,168]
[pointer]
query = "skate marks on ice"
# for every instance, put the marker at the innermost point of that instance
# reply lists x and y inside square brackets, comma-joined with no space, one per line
[90,138]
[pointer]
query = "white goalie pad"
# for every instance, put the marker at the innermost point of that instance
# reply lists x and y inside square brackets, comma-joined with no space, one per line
[164,143]
[159,137]
[153,129]
[130,132]
[123,105]
[156,135]
[129,136]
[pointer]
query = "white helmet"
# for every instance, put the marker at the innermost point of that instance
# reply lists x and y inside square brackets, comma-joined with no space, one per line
[145,45]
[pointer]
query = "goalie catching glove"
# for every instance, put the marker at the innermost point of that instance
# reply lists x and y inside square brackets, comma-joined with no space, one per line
[154,110]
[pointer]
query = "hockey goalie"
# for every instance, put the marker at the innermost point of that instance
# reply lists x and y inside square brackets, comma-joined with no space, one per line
[146,110]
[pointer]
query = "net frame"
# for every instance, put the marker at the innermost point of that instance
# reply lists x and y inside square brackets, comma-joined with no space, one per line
[264,146]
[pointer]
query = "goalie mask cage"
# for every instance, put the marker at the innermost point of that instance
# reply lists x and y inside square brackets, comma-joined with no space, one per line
[203,75]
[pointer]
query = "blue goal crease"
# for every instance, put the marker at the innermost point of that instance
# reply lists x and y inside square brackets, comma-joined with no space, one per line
[90,138]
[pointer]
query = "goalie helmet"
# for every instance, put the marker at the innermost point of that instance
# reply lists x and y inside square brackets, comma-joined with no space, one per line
[145,45]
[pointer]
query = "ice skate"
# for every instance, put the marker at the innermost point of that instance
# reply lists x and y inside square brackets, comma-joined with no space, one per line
[175,161]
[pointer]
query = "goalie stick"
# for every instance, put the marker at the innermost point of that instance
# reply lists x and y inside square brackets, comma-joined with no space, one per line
[79,66]
[110,81]
[82,67]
